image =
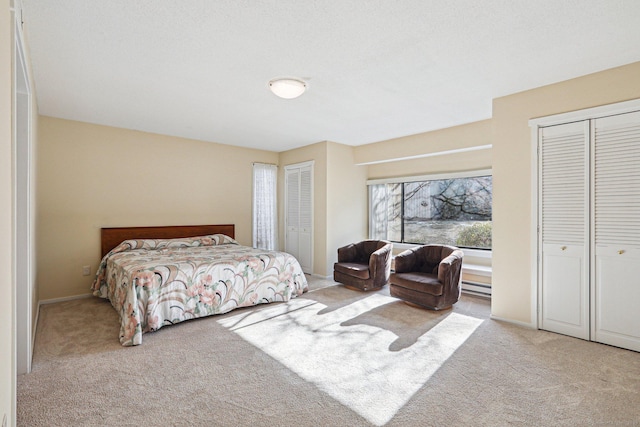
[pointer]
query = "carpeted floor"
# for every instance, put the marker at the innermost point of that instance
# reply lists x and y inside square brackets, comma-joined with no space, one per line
[333,357]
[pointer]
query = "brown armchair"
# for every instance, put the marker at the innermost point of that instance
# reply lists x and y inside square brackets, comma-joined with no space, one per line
[364,265]
[428,276]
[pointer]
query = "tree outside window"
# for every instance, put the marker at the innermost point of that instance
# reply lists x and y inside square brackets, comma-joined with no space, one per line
[454,211]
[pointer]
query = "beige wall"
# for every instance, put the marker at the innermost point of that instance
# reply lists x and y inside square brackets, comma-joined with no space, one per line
[465,136]
[7,308]
[455,138]
[92,176]
[468,161]
[346,201]
[512,187]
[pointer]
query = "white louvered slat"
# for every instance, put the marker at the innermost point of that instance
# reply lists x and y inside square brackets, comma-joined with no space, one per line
[293,190]
[299,213]
[563,184]
[305,198]
[617,180]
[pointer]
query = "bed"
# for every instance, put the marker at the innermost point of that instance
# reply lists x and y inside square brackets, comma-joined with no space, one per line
[159,276]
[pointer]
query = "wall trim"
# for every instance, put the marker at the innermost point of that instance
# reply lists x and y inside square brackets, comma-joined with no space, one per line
[587,113]
[62,299]
[536,291]
[421,156]
[300,165]
[527,325]
[432,177]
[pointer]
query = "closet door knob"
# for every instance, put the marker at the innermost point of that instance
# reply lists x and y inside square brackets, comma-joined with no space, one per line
[563,248]
[620,252]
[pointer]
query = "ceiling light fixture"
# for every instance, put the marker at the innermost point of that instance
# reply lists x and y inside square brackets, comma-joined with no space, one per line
[287,88]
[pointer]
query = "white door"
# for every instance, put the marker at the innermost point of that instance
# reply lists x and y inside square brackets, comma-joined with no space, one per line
[564,235]
[616,182]
[565,296]
[299,213]
[292,211]
[617,299]
[305,248]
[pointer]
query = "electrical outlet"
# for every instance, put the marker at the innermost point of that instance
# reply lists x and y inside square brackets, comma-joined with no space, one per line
[86,270]
[4,421]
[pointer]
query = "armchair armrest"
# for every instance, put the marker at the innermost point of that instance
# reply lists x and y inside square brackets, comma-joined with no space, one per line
[449,268]
[379,258]
[405,261]
[347,253]
[380,264]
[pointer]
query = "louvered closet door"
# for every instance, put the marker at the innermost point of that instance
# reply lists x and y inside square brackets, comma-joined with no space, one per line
[306,220]
[617,230]
[564,234]
[292,211]
[299,214]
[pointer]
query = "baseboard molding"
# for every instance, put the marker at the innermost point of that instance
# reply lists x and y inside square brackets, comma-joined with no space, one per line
[514,322]
[319,276]
[62,299]
[34,329]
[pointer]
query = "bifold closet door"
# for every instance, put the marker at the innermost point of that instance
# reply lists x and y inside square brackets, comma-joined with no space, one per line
[616,183]
[564,232]
[299,214]
[305,254]
[292,211]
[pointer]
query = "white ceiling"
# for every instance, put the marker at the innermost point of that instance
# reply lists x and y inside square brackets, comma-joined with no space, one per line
[376,69]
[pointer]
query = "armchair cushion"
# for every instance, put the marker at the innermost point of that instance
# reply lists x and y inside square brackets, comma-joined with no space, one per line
[359,270]
[419,282]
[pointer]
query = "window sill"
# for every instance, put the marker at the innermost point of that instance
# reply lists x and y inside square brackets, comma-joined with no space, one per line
[476,253]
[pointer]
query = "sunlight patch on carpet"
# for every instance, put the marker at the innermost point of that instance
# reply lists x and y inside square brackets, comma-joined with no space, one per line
[353,364]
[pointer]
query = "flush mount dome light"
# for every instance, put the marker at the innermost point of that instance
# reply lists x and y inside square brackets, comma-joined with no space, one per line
[287,88]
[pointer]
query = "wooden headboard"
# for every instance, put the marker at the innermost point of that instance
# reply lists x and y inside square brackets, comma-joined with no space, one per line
[112,237]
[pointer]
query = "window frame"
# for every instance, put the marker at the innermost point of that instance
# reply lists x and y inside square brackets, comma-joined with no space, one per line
[480,252]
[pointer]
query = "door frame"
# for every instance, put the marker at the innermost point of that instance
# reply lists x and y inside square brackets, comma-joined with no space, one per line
[23,219]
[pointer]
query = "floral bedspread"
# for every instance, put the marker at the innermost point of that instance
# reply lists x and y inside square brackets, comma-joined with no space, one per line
[157,282]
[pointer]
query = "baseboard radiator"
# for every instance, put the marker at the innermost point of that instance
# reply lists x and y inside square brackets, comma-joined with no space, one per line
[476,288]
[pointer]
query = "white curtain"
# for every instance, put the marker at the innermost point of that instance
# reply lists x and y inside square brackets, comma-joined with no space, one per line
[265,209]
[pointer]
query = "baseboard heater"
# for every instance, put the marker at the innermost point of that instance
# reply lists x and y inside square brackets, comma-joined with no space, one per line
[475,288]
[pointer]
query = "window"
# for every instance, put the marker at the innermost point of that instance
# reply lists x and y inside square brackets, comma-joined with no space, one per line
[453,210]
[265,210]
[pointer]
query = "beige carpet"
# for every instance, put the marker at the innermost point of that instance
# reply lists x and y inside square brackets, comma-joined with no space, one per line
[334,357]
